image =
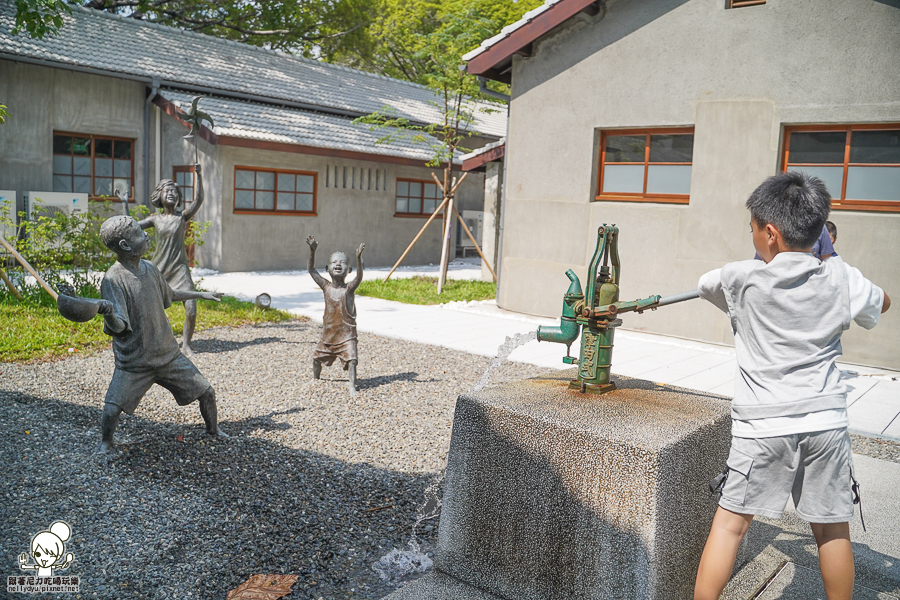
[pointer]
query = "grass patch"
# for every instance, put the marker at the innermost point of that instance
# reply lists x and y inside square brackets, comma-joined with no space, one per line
[423,290]
[30,331]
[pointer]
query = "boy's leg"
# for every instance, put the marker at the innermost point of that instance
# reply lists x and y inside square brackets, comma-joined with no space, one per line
[720,552]
[351,372]
[317,368]
[835,558]
[190,321]
[109,420]
[209,412]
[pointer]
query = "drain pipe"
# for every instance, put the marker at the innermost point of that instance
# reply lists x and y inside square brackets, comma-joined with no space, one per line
[484,89]
[498,268]
[154,90]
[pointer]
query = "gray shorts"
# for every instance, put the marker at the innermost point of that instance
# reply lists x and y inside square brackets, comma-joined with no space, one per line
[813,468]
[180,377]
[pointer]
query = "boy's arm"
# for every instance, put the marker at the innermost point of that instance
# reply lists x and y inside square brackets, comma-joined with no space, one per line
[359,269]
[886,304]
[711,289]
[182,295]
[114,321]
[867,300]
[311,262]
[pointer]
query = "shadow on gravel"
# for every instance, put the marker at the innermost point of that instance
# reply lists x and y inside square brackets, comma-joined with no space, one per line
[374,382]
[165,518]
[14,396]
[212,346]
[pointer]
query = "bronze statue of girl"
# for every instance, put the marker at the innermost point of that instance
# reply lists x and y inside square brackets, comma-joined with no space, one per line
[170,256]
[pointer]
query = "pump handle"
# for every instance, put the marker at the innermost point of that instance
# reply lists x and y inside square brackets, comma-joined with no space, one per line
[678,298]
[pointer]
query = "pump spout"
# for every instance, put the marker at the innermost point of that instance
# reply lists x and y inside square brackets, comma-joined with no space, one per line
[568,328]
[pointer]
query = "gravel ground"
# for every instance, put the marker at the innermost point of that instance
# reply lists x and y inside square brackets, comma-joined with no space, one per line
[311,480]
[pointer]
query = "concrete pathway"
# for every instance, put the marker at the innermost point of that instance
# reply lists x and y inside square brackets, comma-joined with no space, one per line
[481,327]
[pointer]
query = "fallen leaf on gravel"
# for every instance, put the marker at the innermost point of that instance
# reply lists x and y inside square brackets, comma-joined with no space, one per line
[264,587]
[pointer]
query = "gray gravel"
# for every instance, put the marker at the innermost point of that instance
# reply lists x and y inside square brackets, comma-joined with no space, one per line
[311,480]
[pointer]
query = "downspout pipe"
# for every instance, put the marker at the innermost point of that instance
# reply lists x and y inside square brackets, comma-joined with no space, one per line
[154,90]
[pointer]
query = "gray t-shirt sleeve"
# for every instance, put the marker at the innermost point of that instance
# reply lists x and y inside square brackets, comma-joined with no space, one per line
[111,290]
[866,298]
[165,290]
[710,288]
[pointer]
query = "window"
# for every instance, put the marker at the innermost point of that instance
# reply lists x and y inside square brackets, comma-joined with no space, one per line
[740,3]
[271,191]
[92,164]
[859,164]
[646,165]
[419,198]
[184,177]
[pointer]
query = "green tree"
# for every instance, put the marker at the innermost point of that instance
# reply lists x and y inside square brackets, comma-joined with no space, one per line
[3,114]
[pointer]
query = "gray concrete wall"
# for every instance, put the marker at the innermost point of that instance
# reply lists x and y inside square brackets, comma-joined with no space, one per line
[42,100]
[345,216]
[738,77]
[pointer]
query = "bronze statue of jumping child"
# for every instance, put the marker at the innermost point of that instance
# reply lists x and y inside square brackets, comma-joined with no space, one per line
[339,322]
[135,295]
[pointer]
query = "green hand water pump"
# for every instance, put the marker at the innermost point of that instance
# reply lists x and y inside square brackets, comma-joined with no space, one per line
[595,313]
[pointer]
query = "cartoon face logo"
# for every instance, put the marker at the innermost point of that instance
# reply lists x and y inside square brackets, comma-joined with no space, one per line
[47,548]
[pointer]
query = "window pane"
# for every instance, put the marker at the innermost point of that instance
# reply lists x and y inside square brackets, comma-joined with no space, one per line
[102,186]
[671,148]
[122,150]
[415,205]
[265,200]
[817,147]
[82,185]
[103,167]
[188,177]
[402,205]
[124,186]
[286,183]
[875,147]
[179,178]
[873,183]
[305,202]
[625,148]
[305,183]
[430,205]
[431,190]
[244,180]
[62,165]
[285,200]
[832,177]
[623,178]
[82,165]
[62,183]
[122,168]
[81,146]
[415,189]
[187,193]
[62,144]
[102,148]
[668,179]
[265,181]
[243,199]
[403,188]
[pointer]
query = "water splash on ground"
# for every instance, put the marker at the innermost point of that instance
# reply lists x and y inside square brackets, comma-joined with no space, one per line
[503,352]
[397,564]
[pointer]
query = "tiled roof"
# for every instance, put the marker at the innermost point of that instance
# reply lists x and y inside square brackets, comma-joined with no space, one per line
[509,29]
[256,121]
[97,40]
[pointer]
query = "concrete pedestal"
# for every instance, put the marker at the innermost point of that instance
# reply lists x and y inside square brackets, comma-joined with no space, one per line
[553,494]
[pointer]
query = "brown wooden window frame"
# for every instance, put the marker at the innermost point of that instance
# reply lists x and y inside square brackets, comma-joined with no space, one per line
[841,202]
[274,210]
[185,169]
[421,197]
[642,196]
[742,3]
[93,158]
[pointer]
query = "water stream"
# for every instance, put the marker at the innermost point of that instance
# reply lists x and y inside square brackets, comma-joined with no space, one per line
[397,564]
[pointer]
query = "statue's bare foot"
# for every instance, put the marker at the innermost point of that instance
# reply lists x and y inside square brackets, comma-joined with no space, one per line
[217,433]
[105,448]
[187,350]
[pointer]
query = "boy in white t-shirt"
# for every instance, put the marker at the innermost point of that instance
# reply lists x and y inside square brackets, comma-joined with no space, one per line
[789,414]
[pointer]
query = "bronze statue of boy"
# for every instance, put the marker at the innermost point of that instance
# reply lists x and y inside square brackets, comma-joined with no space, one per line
[339,323]
[135,296]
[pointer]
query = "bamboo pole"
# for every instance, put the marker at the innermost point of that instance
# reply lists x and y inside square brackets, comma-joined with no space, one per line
[10,285]
[25,264]
[415,239]
[477,249]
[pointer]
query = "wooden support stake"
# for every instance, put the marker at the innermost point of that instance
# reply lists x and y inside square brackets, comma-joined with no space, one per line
[416,239]
[445,243]
[477,249]
[25,264]
[10,285]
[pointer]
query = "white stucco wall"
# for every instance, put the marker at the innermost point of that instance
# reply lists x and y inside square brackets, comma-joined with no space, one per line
[738,77]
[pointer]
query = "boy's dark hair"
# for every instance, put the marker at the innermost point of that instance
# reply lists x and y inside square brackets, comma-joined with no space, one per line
[832,229]
[795,203]
[114,229]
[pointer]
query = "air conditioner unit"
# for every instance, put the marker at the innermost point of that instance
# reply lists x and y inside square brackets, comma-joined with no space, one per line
[474,220]
[47,204]
[8,210]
